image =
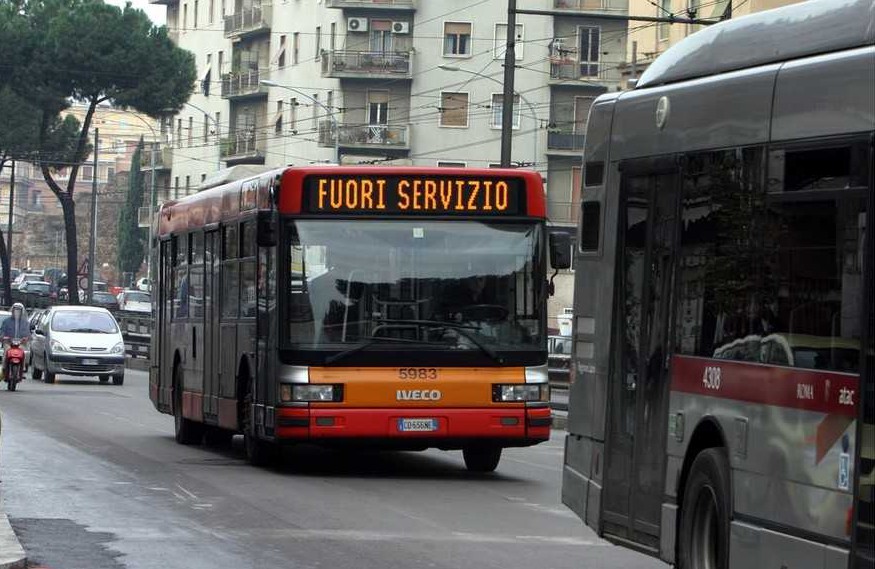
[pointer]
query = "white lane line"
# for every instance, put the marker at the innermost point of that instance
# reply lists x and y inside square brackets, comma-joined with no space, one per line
[187,493]
[456,537]
[534,464]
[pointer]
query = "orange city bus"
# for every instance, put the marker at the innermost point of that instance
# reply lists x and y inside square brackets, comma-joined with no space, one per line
[393,307]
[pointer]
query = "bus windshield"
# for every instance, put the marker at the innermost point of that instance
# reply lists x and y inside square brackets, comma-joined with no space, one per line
[356,288]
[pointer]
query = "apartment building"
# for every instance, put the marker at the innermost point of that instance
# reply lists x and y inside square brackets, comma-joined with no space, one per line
[413,82]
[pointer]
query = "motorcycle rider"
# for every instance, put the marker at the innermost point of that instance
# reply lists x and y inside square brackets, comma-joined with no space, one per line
[16,325]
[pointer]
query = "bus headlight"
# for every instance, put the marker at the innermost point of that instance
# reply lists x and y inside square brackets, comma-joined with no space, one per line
[308,392]
[520,392]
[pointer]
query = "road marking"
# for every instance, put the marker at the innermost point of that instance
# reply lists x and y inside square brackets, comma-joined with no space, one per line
[187,493]
[456,537]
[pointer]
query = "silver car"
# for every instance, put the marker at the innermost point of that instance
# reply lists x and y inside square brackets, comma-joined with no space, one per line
[80,341]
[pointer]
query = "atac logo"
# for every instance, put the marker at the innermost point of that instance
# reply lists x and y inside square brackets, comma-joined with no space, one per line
[417,395]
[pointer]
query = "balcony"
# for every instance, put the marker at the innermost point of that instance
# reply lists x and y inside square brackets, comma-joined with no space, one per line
[592,5]
[564,213]
[249,21]
[574,72]
[163,159]
[565,141]
[243,148]
[367,65]
[364,136]
[372,4]
[242,84]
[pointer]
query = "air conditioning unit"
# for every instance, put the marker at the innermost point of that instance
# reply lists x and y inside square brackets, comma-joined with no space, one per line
[357,25]
[400,27]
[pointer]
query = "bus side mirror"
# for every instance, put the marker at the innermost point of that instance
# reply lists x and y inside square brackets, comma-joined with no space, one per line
[266,229]
[560,250]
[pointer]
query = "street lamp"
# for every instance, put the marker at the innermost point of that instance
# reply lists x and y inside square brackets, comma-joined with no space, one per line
[152,196]
[455,69]
[329,113]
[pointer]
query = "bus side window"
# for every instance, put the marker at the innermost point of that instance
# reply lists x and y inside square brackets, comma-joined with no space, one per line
[230,284]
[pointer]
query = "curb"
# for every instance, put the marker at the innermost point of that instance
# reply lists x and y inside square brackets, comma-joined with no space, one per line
[12,555]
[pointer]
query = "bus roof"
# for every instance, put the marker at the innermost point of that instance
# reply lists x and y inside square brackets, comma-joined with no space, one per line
[229,200]
[799,30]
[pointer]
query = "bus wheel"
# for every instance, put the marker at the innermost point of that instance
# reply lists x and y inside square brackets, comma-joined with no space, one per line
[217,437]
[704,526]
[481,458]
[187,431]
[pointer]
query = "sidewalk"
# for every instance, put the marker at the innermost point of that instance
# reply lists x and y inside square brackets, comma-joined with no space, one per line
[12,555]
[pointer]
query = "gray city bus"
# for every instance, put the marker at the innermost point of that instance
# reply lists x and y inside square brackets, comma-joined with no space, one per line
[721,406]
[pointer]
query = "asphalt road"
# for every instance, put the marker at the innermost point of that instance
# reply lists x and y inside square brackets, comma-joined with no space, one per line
[92,479]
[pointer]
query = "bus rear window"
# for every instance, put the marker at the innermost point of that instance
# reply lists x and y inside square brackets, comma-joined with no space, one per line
[590,220]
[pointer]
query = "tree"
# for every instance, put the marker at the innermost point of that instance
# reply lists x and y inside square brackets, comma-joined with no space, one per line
[96,54]
[130,235]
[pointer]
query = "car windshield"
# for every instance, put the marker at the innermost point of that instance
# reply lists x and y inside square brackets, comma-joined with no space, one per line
[86,321]
[136,297]
[38,287]
[103,297]
[405,286]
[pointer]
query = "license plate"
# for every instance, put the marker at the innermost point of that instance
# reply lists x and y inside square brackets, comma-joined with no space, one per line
[417,425]
[90,362]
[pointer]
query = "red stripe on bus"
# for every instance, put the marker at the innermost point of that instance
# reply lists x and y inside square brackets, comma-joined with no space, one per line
[804,389]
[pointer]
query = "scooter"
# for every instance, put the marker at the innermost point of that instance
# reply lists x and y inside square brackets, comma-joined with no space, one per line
[13,364]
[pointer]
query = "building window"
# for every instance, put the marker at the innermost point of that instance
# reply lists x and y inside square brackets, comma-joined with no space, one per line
[210,15]
[378,107]
[87,173]
[221,62]
[206,127]
[316,112]
[187,184]
[184,17]
[663,12]
[500,46]
[293,115]
[454,109]
[281,56]
[196,10]
[222,9]
[110,173]
[457,39]
[498,110]
[296,47]
[442,164]
[218,124]
[333,39]
[589,41]
[203,178]
[190,130]
[278,119]
[381,36]
[176,187]
[318,42]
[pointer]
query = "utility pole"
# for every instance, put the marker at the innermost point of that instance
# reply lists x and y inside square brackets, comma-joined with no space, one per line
[153,201]
[92,238]
[635,61]
[507,97]
[9,220]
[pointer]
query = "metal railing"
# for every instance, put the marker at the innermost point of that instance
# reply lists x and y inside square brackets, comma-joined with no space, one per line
[163,158]
[592,5]
[577,71]
[242,83]
[136,328]
[565,140]
[393,4]
[248,20]
[242,145]
[366,63]
[365,135]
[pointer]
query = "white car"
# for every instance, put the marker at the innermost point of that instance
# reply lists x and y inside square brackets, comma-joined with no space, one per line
[135,301]
[80,341]
[144,284]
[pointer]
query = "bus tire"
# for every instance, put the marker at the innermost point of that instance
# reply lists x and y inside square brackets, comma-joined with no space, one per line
[217,437]
[705,511]
[187,432]
[481,458]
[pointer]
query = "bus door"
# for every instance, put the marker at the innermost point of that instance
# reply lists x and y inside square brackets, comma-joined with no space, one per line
[212,368]
[635,455]
[164,294]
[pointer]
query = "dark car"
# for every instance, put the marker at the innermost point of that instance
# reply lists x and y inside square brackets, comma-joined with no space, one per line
[104,299]
[32,294]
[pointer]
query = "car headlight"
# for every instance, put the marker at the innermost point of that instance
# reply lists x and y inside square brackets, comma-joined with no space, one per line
[118,348]
[519,392]
[310,392]
[57,346]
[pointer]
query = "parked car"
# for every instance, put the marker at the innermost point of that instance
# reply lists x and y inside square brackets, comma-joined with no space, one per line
[80,341]
[144,284]
[135,301]
[25,277]
[104,299]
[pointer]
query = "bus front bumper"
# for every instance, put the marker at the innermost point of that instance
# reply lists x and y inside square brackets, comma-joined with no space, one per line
[451,427]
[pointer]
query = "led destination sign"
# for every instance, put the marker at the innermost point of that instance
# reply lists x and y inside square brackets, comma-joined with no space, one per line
[420,195]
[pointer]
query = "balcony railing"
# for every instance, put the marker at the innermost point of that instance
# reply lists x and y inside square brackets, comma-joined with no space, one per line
[241,146]
[592,5]
[367,64]
[577,71]
[242,84]
[562,212]
[565,141]
[163,158]
[249,21]
[365,135]
[372,4]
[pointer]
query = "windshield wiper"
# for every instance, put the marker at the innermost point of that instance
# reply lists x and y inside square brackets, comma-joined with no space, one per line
[88,331]
[460,329]
[367,343]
